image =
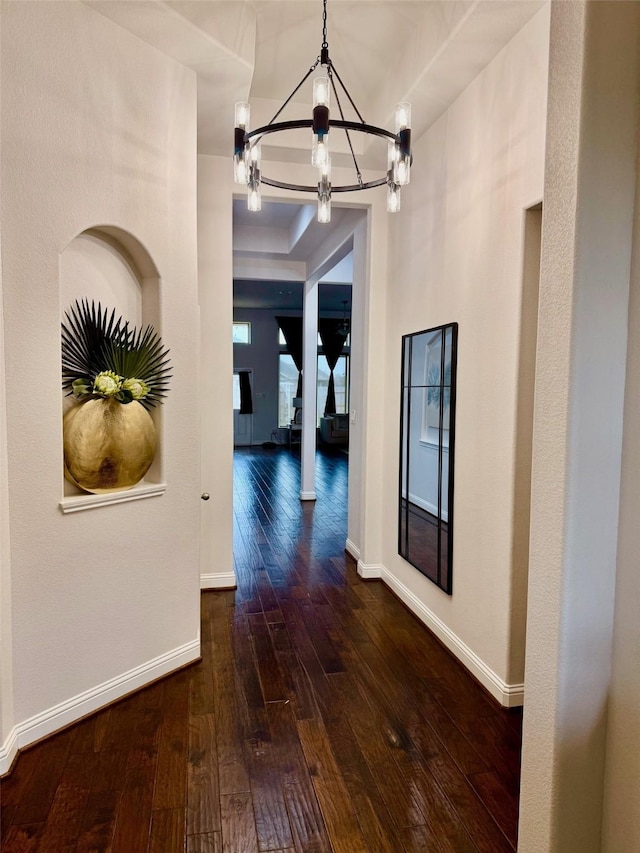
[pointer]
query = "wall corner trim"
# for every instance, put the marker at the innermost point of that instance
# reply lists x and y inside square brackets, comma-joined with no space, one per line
[226,580]
[9,751]
[370,571]
[351,548]
[61,715]
[508,695]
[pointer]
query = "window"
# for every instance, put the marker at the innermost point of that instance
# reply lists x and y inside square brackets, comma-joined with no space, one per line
[287,387]
[340,384]
[283,343]
[242,333]
[288,383]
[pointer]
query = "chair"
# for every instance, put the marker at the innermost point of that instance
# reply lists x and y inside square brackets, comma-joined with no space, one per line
[334,429]
[295,427]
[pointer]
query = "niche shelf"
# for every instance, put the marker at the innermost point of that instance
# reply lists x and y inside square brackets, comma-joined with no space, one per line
[109,265]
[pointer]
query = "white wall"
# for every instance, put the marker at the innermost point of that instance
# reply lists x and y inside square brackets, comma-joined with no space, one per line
[621,831]
[115,279]
[6,654]
[215,289]
[97,129]
[261,356]
[456,254]
[592,140]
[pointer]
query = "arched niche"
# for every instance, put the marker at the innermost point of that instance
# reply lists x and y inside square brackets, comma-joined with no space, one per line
[109,265]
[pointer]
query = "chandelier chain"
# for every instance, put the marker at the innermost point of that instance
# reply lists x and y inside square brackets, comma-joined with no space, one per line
[325,43]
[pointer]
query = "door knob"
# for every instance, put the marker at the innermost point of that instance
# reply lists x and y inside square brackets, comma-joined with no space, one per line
[205,496]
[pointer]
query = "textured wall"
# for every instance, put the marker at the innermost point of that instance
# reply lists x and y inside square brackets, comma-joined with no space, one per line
[97,129]
[6,643]
[584,296]
[622,780]
[456,255]
[215,283]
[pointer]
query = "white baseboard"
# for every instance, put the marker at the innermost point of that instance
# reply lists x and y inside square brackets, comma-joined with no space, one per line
[307,496]
[508,695]
[225,580]
[370,571]
[352,549]
[74,709]
[8,751]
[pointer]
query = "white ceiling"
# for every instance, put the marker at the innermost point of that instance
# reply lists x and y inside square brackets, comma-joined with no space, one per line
[385,51]
[259,50]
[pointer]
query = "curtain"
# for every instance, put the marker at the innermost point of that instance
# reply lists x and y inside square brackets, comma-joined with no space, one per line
[291,328]
[246,400]
[333,340]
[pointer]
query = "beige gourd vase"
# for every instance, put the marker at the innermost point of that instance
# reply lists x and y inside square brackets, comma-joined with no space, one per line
[108,446]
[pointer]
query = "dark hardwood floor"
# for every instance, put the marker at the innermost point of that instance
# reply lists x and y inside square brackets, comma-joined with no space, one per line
[323,716]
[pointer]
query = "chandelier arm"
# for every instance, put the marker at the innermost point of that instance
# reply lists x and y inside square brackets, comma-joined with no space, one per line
[353,154]
[306,76]
[305,188]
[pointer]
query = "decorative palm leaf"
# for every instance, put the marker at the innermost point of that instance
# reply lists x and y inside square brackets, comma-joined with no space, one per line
[83,340]
[95,342]
[140,355]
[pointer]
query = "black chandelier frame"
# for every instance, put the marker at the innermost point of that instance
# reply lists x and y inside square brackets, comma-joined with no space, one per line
[248,139]
[260,132]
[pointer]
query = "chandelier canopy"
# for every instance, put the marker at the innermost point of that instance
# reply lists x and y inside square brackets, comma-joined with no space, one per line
[247,155]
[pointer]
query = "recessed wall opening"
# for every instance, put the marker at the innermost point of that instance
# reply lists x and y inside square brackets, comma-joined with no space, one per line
[109,266]
[524,436]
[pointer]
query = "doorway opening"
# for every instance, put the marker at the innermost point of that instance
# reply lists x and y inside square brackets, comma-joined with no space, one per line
[274,254]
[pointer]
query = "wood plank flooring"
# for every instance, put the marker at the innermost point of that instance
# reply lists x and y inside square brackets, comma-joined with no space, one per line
[323,718]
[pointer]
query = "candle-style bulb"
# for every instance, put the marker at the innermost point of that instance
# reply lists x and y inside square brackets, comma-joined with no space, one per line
[403,116]
[393,198]
[243,111]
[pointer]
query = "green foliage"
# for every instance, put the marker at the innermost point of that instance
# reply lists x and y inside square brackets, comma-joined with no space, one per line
[96,343]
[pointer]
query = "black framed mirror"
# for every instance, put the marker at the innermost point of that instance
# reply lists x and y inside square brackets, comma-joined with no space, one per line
[427,444]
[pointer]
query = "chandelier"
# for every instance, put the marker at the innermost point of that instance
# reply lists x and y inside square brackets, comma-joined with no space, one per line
[247,143]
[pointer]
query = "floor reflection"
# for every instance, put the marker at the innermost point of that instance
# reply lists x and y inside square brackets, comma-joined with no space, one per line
[419,542]
[270,520]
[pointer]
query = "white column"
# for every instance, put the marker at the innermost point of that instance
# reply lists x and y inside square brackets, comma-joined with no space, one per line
[309,381]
